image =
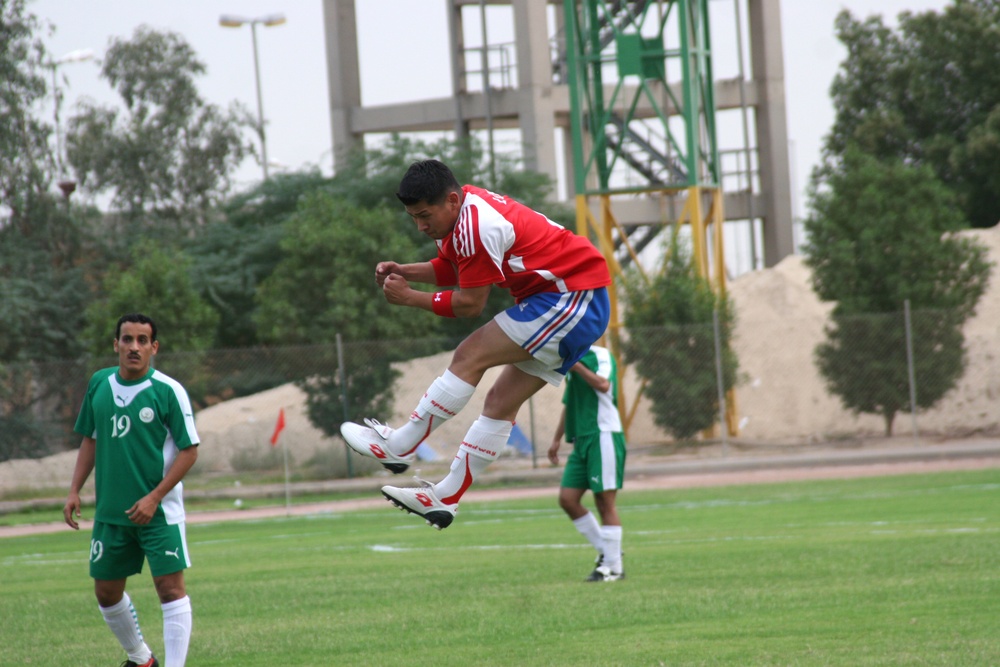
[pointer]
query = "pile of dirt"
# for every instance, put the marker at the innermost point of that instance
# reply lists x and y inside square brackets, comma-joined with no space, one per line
[780,321]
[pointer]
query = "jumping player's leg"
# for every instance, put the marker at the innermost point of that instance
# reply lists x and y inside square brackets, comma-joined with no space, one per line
[444,399]
[485,348]
[544,335]
[482,445]
[538,340]
[488,435]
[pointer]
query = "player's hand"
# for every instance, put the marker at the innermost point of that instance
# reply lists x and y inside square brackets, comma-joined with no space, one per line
[142,511]
[385,269]
[396,289]
[71,511]
[554,452]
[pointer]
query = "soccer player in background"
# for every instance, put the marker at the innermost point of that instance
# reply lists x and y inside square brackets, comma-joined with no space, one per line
[559,283]
[139,435]
[590,420]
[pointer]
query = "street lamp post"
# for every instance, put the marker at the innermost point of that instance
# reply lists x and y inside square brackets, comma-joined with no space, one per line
[232,21]
[78,56]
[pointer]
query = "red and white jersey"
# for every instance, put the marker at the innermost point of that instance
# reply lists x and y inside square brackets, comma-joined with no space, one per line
[500,241]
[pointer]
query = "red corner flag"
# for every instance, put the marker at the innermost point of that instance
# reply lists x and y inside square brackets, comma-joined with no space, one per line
[279,427]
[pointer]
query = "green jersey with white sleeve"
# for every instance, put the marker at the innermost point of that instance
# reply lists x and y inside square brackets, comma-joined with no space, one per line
[139,426]
[589,412]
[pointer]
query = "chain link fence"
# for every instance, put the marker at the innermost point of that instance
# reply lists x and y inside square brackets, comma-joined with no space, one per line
[797,381]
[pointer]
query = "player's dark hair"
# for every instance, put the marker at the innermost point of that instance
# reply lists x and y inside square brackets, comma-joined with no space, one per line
[428,181]
[138,318]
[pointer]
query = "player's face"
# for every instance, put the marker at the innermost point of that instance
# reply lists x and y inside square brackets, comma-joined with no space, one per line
[135,347]
[436,221]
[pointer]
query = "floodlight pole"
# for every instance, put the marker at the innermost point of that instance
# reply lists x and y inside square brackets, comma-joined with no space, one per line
[230,21]
[260,103]
[78,56]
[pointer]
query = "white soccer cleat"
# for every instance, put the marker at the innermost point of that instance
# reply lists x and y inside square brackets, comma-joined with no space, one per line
[422,501]
[373,441]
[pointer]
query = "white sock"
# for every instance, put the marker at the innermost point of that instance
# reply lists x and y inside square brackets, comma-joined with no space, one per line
[176,631]
[482,446]
[444,399]
[612,536]
[124,623]
[589,528]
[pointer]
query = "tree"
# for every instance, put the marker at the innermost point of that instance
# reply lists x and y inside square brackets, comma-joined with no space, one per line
[158,283]
[882,233]
[44,251]
[864,360]
[170,153]
[671,343]
[318,291]
[43,270]
[232,255]
[25,169]
[926,94]
[44,291]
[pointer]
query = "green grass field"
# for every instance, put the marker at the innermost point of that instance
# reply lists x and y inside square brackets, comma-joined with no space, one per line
[884,571]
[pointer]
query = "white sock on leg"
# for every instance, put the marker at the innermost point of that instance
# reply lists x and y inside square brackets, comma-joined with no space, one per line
[444,399]
[176,631]
[482,446]
[124,623]
[588,527]
[612,536]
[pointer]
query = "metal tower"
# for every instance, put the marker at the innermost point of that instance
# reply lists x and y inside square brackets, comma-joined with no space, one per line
[624,111]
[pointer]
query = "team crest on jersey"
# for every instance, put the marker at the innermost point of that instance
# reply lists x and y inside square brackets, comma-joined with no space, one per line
[146,415]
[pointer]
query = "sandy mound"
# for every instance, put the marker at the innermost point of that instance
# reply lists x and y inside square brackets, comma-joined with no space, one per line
[780,321]
[52,472]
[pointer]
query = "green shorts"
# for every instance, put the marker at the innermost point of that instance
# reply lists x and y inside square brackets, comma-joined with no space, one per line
[597,463]
[117,552]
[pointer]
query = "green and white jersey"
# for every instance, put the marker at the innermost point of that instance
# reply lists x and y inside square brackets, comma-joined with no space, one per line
[139,426]
[589,411]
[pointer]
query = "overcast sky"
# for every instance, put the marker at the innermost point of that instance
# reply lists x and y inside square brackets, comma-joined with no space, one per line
[404,56]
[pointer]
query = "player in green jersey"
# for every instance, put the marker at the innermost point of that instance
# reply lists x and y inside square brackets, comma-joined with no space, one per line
[139,438]
[590,421]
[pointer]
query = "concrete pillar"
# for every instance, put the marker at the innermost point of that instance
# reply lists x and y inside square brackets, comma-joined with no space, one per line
[456,42]
[772,135]
[343,76]
[536,108]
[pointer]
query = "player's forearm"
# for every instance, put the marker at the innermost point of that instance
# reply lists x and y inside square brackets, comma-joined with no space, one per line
[597,382]
[449,303]
[182,464]
[560,427]
[420,272]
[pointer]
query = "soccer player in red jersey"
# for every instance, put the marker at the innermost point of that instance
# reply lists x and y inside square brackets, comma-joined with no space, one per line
[559,283]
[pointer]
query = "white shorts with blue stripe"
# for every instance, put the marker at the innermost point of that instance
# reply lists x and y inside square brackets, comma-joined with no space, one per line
[556,328]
